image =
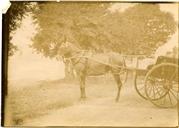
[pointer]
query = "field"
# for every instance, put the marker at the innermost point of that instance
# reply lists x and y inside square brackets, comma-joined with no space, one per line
[57,103]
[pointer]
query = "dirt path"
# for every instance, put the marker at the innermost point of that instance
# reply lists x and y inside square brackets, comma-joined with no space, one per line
[98,112]
[101,109]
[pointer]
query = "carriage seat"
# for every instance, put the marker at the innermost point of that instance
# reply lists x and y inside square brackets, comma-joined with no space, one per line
[164,59]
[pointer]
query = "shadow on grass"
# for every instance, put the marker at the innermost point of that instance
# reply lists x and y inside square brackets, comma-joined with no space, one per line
[40,99]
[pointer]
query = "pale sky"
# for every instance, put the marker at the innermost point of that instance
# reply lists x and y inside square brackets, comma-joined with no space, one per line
[120,7]
[172,8]
[27,65]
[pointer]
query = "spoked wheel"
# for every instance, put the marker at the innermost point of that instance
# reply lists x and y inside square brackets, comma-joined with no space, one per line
[140,83]
[161,85]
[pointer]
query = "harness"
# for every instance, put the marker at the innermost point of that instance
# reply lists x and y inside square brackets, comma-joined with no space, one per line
[86,61]
[78,57]
[79,60]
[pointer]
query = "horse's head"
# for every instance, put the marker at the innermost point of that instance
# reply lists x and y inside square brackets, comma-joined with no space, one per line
[67,49]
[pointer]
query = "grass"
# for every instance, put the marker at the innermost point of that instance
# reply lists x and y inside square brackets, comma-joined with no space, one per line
[32,101]
[59,101]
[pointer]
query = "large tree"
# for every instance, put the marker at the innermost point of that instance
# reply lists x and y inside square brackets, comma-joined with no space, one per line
[11,21]
[75,22]
[140,29]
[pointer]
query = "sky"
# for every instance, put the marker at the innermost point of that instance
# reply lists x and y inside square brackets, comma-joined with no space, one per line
[26,64]
[29,65]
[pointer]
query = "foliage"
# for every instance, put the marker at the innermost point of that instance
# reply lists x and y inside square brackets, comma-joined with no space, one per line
[16,12]
[74,22]
[13,48]
[140,29]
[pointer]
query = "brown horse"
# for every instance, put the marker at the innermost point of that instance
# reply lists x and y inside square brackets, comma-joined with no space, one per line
[88,64]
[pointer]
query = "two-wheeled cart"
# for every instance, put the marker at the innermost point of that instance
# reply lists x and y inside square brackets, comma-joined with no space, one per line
[159,82]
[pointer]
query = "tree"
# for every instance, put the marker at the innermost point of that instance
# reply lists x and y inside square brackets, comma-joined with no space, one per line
[11,21]
[74,22]
[140,29]
[16,12]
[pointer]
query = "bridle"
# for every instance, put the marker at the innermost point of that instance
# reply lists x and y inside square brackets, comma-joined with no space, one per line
[78,57]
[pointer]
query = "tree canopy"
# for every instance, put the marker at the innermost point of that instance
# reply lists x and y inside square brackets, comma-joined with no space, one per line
[75,22]
[16,12]
[140,29]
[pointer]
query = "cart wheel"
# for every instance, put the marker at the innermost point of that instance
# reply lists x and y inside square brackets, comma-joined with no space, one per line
[139,77]
[161,85]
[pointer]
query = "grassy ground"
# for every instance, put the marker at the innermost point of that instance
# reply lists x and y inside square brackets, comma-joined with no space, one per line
[54,103]
[33,101]
[38,99]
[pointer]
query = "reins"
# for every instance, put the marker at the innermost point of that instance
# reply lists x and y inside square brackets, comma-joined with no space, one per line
[89,57]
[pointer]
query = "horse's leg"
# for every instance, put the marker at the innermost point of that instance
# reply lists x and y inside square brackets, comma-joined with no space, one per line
[82,85]
[119,85]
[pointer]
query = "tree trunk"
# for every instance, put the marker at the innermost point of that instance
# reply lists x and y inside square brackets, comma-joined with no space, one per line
[5,42]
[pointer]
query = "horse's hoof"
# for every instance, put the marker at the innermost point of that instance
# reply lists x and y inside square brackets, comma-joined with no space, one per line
[82,98]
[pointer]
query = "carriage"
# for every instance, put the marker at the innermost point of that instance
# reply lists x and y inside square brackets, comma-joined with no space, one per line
[159,82]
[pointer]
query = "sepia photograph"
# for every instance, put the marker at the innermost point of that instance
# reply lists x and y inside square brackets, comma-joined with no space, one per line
[97,63]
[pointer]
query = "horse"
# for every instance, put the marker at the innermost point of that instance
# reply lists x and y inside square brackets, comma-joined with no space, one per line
[88,64]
